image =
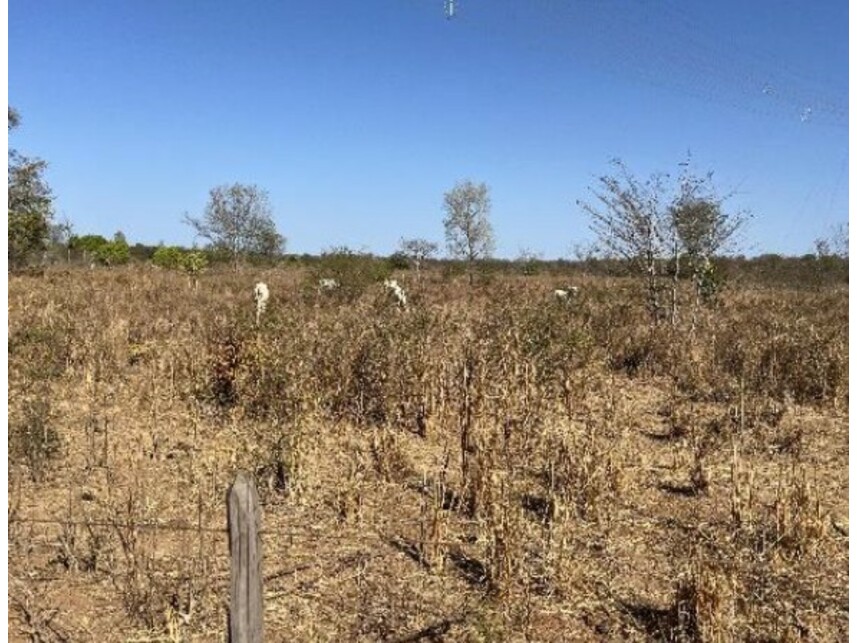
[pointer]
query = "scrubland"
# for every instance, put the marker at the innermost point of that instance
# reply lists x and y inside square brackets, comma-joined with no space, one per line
[488,465]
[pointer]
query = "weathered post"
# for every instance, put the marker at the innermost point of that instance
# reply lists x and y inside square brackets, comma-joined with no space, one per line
[245,550]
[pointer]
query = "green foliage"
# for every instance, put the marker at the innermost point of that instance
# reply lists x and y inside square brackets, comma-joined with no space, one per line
[709,282]
[355,271]
[87,243]
[168,257]
[28,232]
[142,252]
[193,262]
[113,253]
[398,261]
[30,204]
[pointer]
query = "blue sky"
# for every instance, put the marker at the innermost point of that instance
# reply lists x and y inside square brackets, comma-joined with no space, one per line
[357,117]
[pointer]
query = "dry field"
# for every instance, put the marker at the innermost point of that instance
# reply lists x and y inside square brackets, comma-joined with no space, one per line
[489,465]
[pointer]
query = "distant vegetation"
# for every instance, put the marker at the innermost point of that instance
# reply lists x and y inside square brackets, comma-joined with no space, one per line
[807,271]
[662,234]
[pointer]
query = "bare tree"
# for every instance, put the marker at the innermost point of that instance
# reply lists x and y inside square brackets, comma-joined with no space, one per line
[417,251]
[836,244]
[238,220]
[638,221]
[628,220]
[469,235]
[839,240]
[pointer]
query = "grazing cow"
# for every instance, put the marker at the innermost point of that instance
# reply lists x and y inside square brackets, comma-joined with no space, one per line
[564,294]
[260,296]
[397,292]
[327,284]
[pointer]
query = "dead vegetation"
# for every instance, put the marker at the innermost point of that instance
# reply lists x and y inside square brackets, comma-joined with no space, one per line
[485,466]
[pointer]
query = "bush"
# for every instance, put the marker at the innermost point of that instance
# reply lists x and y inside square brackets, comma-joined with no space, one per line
[398,261]
[193,262]
[168,257]
[113,253]
[355,271]
[33,440]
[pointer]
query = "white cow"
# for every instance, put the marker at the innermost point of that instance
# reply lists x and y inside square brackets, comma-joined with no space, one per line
[261,294]
[397,292]
[564,294]
[327,284]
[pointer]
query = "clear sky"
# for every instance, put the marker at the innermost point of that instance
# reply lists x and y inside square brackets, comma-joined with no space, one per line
[356,117]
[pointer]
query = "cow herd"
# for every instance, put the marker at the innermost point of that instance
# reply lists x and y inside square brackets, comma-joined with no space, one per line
[397,294]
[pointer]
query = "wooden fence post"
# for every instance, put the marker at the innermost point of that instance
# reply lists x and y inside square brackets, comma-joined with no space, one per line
[245,550]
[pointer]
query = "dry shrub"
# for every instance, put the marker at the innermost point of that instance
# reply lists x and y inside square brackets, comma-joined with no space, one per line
[390,458]
[225,344]
[579,474]
[799,519]
[42,350]
[805,363]
[154,588]
[777,352]
[38,619]
[705,605]
[33,439]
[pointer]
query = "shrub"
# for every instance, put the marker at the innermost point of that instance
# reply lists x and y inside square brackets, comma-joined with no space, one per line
[355,271]
[33,440]
[398,261]
[169,257]
[113,253]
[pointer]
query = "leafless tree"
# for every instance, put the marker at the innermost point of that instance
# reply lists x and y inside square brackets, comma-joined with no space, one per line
[639,222]
[628,220]
[417,251]
[836,244]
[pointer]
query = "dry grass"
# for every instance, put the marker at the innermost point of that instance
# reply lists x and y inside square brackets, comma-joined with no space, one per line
[488,465]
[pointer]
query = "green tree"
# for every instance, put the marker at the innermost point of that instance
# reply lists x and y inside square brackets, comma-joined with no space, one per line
[114,253]
[168,257]
[469,235]
[88,243]
[193,262]
[701,227]
[238,221]
[30,204]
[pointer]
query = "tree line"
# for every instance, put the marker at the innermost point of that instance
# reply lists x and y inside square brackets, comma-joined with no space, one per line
[663,228]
